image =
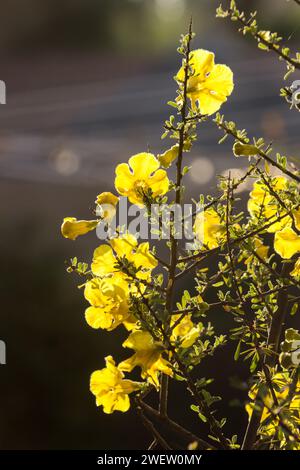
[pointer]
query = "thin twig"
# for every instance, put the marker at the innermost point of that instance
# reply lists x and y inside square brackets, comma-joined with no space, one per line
[148,425]
[172,425]
[260,152]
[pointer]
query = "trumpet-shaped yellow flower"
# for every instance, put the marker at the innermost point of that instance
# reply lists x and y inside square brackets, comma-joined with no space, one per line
[296,270]
[107,203]
[105,256]
[141,175]
[71,227]
[210,84]
[286,243]
[148,356]
[111,389]
[109,303]
[209,229]
[185,331]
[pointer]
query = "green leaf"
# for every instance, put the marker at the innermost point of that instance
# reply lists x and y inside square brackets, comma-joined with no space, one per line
[237,351]
[195,408]
[173,104]
[202,417]
[294,309]
[254,363]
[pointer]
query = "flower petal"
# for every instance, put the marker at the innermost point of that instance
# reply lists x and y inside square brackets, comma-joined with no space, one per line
[107,198]
[220,80]
[124,245]
[143,165]
[286,243]
[97,317]
[201,61]
[124,179]
[159,183]
[71,227]
[103,261]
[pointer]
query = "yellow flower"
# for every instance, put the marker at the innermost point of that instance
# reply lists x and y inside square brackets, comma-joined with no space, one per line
[107,203]
[105,257]
[71,227]
[109,303]
[210,84]
[208,228]
[286,243]
[148,356]
[111,389]
[141,175]
[296,270]
[263,205]
[185,331]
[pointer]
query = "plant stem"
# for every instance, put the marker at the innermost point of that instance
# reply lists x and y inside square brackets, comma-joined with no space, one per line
[149,425]
[260,152]
[277,49]
[177,428]
[173,255]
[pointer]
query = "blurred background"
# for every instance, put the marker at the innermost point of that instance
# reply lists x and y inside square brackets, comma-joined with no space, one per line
[87,85]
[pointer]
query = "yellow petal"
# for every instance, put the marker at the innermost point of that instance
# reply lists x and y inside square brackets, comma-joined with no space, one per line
[189,339]
[103,261]
[107,205]
[168,156]
[209,102]
[72,228]
[220,81]
[143,165]
[122,403]
[201,61]
[124,179]
[214,89]
[92,292]
[124,245]
[99,379]
[159,183]
[129,364]
[143,258]
[296,215]
[140,341]
[97,317]
[107,198]
[208,228]
[286,243]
